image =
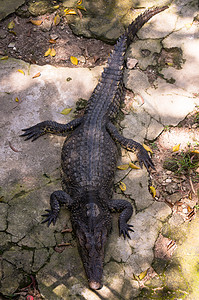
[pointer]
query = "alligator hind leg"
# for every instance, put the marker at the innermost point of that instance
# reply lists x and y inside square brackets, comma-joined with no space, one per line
[57,198]
[42,128]
[131,145]
[126,210]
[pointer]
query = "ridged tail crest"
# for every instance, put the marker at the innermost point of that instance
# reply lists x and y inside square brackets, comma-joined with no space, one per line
[136,25]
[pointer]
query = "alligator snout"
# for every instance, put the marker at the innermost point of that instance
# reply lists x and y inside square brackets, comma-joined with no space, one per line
[95,285]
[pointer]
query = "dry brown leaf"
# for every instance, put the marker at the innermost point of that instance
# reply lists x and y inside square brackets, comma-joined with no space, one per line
[52,41]
[37,75]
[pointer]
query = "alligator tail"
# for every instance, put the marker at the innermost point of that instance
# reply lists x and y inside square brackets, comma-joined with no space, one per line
[140,21]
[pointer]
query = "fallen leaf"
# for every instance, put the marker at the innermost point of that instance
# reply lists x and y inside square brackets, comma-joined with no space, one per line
[153,190]
[47,52]
[53,52]
[132,166]
[122,186]
[4,58]
[13,32]
[56,20]
[37,75]
[11,25]
[143,274]
[66,111]
[170,64]
[17,99]
[21,71]
[176,148]
[69,11]
[147,148]
[188,26]
[81,7]
[74,60]
[123,167]
[36,22]
[56,6]
[52,41]
[195,151]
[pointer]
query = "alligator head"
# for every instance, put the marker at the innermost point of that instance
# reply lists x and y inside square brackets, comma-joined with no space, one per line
[92,228]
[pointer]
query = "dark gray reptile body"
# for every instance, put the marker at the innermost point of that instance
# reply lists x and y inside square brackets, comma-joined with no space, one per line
[89,159]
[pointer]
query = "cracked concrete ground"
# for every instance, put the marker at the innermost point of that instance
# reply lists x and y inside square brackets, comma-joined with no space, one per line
[30,171]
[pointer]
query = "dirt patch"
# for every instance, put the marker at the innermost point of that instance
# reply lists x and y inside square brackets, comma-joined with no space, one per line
[30,42]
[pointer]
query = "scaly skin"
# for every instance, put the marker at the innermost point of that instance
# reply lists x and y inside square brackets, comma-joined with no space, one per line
[89,159]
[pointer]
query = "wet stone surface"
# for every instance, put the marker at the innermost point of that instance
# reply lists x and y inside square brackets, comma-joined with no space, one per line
[162,256]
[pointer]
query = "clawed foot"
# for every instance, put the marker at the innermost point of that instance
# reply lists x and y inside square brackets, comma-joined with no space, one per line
[145,159]
[51,217]
[124,230]
[33,132]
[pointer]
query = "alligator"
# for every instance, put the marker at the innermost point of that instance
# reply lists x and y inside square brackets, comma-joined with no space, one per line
[89,158]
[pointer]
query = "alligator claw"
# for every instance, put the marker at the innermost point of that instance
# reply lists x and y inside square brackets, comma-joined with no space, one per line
[51,217]
[145,159]
[33,132]
[125,229]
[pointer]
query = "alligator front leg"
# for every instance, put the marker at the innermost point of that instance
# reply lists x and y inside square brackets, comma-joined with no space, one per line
[42,128]
[57,198]
[126,210]
[131,145]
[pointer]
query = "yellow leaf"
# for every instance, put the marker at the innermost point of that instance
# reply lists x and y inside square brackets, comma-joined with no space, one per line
[195,151]
[21,71]
[132,166]
[36,75]
[153,190]
[143,274]
[56,20]
[176,148]
[56,6]
[81,7]
[74,60]
[53,52]
[66,111]
[47,52]
[4,58]
[123,167]
[170,64]
[188,25]
[17,99]
[69,11]
[36,22]
[122,186]
[147,148]
[13,32]
[11,25]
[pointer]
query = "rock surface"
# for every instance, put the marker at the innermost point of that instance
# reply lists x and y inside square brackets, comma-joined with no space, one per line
[30,171]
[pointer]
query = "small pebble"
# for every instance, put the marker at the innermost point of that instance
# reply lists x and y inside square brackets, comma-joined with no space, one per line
[131,62]
[168,180]
[11,45]
[54,36]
